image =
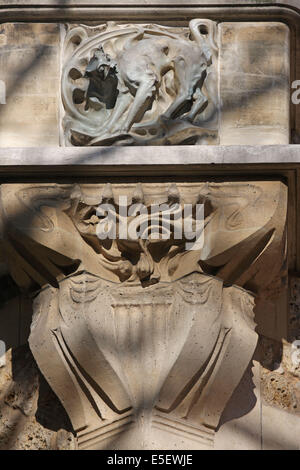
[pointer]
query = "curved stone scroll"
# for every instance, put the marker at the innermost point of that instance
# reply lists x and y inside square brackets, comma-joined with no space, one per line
[140,84]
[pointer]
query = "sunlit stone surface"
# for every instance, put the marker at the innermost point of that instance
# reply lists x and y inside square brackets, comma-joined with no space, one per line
[159,341]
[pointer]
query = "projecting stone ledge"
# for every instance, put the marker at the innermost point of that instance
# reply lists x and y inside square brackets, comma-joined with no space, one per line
[145,160]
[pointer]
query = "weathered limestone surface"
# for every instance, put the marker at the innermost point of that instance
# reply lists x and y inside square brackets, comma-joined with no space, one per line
[154,161]
[29,64]
[254,83]
[17,308]
[121,321]
[280,361]
[134,328]
[141,84]
[246,423]
[264,427]
[294,317]
[31,417]
[177,102]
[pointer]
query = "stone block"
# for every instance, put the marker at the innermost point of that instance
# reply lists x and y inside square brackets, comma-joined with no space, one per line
[30,71]
[254,83]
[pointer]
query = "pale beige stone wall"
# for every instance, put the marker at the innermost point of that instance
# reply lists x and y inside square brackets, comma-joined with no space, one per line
[29,64]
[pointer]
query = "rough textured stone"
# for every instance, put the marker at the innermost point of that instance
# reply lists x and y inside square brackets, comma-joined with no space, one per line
[280,375]
[280,430]
[240,424]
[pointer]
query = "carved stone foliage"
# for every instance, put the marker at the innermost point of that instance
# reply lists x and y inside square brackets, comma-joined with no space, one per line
[140,84]
[143,364]
[142,339]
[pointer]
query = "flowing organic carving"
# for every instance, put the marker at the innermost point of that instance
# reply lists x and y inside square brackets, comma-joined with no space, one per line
[138,360]
[147,339]
[140,84]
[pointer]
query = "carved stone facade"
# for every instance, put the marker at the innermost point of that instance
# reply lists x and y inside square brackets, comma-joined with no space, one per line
[141,84]
[148,84]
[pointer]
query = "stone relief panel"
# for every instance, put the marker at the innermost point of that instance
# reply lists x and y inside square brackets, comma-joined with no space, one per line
[255,67]
[280,373]
[280,360]
[202,83]
[141,84]
[142,332]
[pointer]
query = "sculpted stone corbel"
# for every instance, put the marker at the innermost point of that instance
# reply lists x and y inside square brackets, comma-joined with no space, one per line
[143,340]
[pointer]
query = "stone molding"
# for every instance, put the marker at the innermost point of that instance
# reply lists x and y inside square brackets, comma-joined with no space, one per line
[20,163]
[169,13]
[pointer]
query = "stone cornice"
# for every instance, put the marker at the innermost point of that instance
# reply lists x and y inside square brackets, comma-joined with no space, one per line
[152,161]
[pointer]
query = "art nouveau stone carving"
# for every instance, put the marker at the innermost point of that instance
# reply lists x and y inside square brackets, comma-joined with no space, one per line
[140,84]
[32,418]
[142,340]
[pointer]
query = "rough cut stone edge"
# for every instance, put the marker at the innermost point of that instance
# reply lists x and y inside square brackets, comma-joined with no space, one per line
[143,160]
